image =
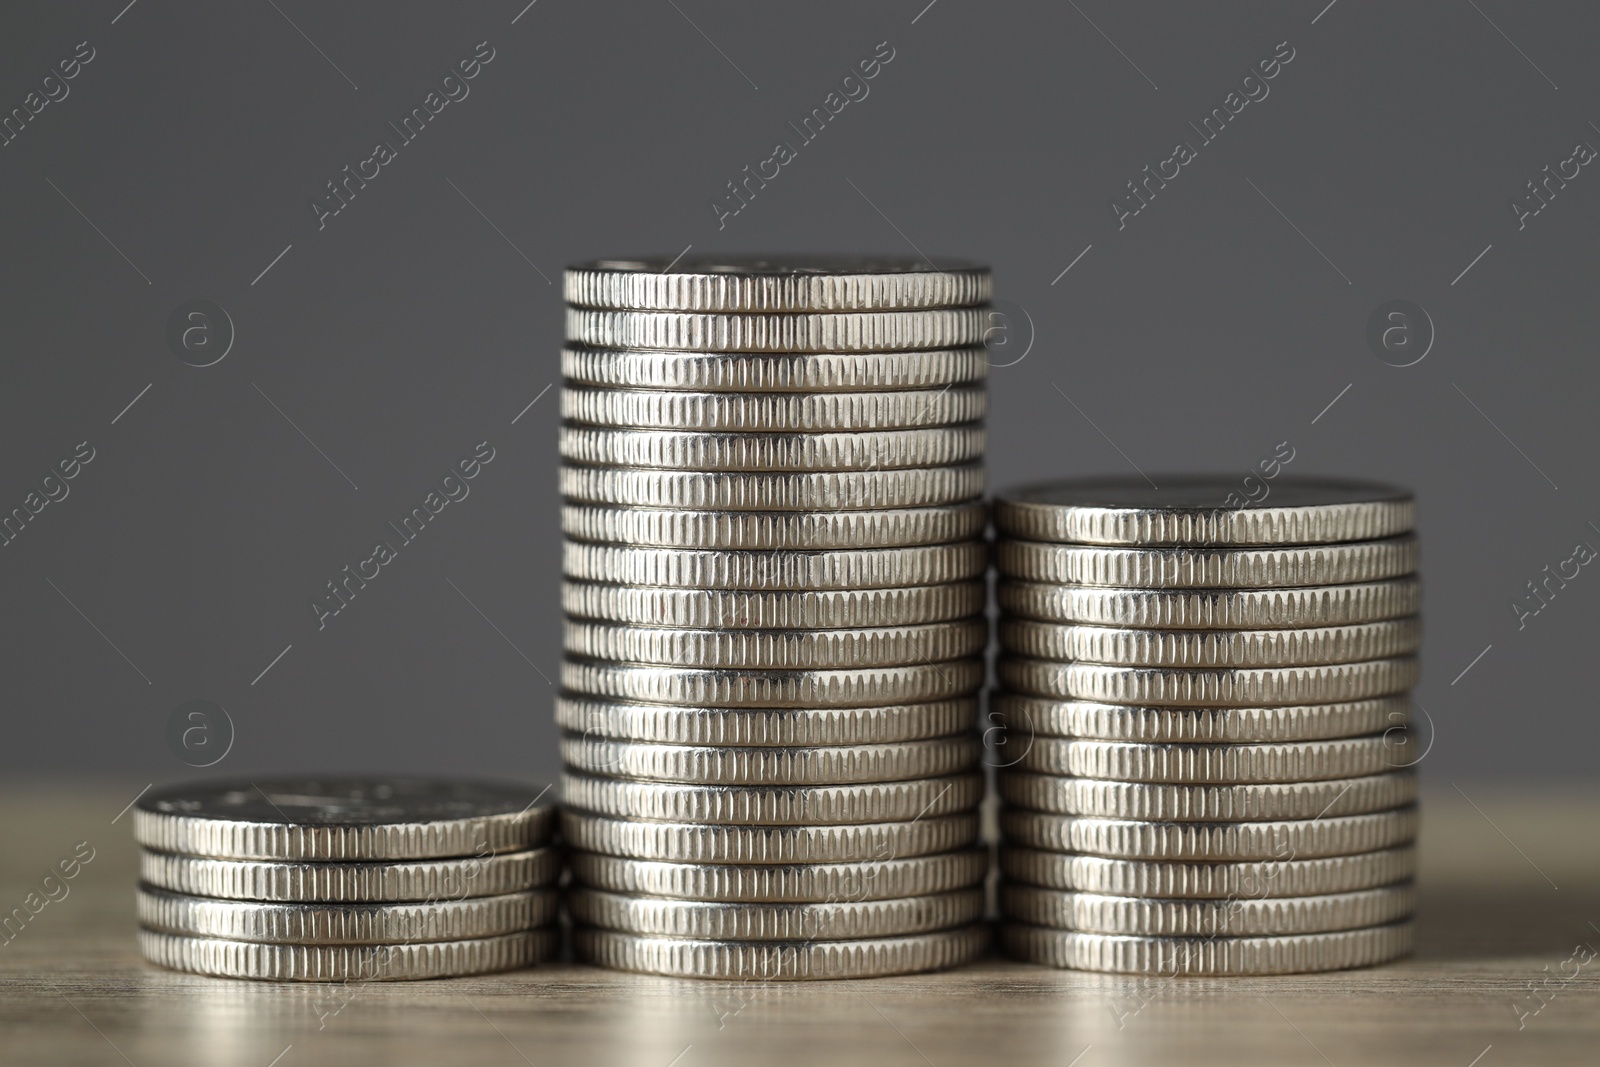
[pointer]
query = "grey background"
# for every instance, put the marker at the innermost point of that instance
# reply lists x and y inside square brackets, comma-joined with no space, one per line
[1222,320]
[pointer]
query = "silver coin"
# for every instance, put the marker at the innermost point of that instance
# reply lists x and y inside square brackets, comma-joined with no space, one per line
[757,372]
[342,818]
[778,491]
[672,725]
[778,649]
[691,450]
[720,921]
[1208,881]
[1207,568]
[1157,802]
[774,412]
[1211,648]
[1297,954]
[1140,761]
[1020,717]
[841,331]
[774,882]
[1204,510]
[700,843]
[1212,609]
[860,688]
[781,961]
[1249,917]
[345,924]
[799,609]
[773,805]
[840,568]
[1277,839]
[774,285]
[1224,687]
[347,963]
[352,883]
[759,530]
[717,765]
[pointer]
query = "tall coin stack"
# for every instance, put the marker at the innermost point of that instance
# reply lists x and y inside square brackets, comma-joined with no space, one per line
[346,880]
[774,595]
[1206,707]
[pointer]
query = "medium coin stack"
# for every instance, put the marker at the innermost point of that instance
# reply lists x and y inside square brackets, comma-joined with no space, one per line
[1205,705]
[774,594]
[346,880]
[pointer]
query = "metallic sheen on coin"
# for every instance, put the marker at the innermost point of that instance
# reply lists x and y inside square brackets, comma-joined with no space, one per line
[780,491]
[855,450]
[779,284]
[765,372]
[699,843]
[772,882]
[773,805]
[863,687]
[845,331]
[1218,956]
[1205,510]
[1192,687]
[760,530]
[347,963]
[1212,609]
[1207,568]
[720,765]
[774,412]
[1209,881]
[1139,761]
[1210,648]
[781,960]
[721,921]
[355,883]
[774,609]
[673,725]
[345,924]
[1020,717]
[1225,841]
[342,818]
[1250,917]
[777,649]
[1158,802]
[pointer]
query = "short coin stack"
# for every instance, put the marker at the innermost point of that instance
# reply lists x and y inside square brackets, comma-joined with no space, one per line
[349,880]
[774,595]
[1205,707]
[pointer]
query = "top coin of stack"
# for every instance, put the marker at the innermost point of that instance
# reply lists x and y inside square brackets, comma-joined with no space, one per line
[771,474]
[349,879]
[1205,704]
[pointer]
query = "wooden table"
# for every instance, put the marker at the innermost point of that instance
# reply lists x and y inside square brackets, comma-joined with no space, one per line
[1503,905]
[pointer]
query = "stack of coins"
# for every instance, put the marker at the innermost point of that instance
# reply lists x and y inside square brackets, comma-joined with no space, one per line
[1205,705]
[346,880]
[774,594]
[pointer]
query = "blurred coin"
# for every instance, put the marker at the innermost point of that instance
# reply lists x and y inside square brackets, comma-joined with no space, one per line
[1249,917]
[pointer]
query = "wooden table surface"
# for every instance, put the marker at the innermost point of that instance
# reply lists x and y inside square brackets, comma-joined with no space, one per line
[1510,889]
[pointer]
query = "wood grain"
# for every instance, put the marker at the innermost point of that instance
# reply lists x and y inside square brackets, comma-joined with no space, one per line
[1509,887]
